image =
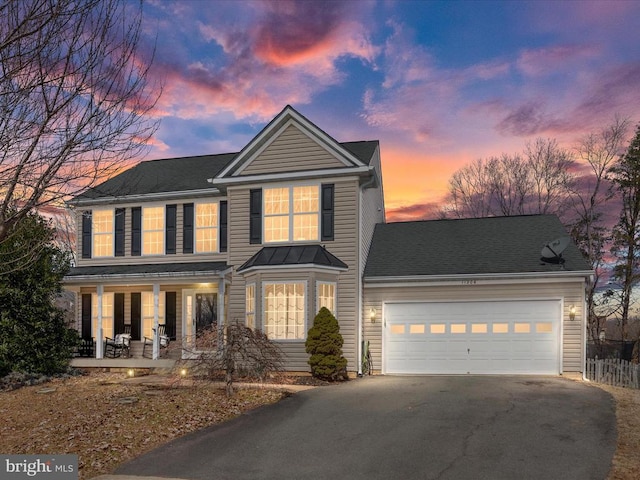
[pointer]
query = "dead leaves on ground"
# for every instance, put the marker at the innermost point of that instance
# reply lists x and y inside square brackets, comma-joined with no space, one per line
[88,417]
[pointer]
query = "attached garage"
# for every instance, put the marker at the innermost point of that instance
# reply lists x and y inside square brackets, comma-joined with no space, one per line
[486,337]
[473,296]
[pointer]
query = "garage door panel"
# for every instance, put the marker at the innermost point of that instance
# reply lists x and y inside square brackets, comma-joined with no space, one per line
[472,337]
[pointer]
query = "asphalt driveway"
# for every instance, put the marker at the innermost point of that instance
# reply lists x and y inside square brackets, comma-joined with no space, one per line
[428,427]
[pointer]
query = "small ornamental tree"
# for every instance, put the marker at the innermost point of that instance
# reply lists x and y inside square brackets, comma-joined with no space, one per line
[324,344]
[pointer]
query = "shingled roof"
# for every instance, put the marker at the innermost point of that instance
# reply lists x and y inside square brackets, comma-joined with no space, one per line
[184,174]
[496,245]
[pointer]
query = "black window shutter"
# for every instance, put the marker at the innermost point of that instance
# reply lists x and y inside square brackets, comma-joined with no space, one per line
[86,234]
[187,230]
[136,315]
[118,313]
[86,316]
[223,226]
[255,216]
[326,213]
[170,314]
[136,231]
[170,232]
[119,221]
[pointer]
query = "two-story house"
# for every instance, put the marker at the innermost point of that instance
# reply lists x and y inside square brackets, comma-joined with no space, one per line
[295,221]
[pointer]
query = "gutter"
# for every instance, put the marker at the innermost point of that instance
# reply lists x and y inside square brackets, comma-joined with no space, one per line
[144,197]
[473,279]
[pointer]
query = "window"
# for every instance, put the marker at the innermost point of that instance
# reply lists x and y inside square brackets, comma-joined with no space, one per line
[250,306]
[291,214]
[148,310]
[206,227]
[107,314]
[103,233]
[284,311]
[153,230]
[327,296]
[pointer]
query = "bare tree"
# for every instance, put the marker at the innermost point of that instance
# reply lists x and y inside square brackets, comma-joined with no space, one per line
[539,181]
[74,99]
[234,352]
[591,202]
[626,233]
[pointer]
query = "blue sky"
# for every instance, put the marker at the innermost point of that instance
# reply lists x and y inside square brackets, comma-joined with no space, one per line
[439,83]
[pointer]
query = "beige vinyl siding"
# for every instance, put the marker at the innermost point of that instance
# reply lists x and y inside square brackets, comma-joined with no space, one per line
[345,247]
[372,213]
[570,292]
[127,259]
[291,151]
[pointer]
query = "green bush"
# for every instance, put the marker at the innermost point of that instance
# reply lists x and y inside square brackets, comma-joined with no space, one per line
[324,344]
[34,337]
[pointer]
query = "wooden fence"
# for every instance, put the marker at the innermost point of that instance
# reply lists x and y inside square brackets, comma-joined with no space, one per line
[613,371]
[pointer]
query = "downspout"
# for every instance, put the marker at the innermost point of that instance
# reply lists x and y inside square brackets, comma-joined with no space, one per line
[585,320]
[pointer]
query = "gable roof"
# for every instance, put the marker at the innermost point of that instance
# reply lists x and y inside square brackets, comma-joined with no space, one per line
[288,116]
[186,176]
[296,255]
[496,245]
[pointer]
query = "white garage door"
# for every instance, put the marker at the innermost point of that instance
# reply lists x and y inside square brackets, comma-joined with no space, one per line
[472,337]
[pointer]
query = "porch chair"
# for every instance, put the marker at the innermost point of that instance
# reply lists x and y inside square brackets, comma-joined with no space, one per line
[164,341]
[119,345]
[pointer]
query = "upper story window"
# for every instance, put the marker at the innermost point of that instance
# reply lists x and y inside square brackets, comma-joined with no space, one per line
[291,214]
[103,233]
[206,227]
[153,230]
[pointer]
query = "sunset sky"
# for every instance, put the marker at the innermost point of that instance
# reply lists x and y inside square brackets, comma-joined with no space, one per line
[439,83]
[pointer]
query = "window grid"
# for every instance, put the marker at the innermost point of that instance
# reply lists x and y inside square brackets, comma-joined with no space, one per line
[250,306]
[103,233]
[206,227]
[147,312]
[153,230]
[327,296]
[284,311]
[291,213]
[107,314]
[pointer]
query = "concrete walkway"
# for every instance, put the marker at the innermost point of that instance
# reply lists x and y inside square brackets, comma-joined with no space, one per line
[426,428]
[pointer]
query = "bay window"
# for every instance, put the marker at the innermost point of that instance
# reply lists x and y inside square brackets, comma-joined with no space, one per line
[326,296]
[284,311]
[250,305]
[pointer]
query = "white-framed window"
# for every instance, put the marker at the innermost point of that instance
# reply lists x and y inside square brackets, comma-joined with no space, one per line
[153,230]
[107,314]
[326,295]
[291,213]
[148,312]
[250,305]
[284,311]
[103,234]
[206,225]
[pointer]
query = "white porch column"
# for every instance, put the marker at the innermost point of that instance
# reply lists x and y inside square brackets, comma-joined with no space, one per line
[221,307]
[99,333]
[156,315]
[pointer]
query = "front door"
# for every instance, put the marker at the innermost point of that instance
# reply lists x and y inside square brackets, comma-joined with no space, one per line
[201,318]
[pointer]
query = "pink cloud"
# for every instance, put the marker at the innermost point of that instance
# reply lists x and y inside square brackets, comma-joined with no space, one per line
[279,53]
[544,61]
